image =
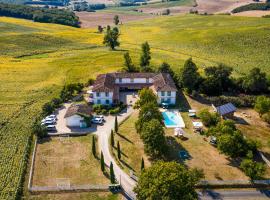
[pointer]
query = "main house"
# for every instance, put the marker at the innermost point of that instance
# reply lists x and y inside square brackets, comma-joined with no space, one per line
[107,87]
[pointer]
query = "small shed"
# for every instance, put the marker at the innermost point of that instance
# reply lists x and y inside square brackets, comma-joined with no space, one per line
[78,115]
[226,110]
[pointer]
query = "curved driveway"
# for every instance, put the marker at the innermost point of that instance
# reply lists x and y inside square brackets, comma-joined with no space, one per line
[103,133]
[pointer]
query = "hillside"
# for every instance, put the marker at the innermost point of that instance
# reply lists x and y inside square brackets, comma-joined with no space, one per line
[40,58]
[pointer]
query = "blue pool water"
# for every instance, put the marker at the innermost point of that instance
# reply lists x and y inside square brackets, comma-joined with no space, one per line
[173,119]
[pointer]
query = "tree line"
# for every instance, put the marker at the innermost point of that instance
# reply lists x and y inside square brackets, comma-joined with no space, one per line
[37,14]
[252,6]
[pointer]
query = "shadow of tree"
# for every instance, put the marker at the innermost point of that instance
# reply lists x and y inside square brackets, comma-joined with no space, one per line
[182,102]
[174,147]
[125,138]
[127,165]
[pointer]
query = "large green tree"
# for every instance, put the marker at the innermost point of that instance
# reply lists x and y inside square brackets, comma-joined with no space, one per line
[189,76]
[167,181]
[145,56]
[128,65]
[116,20]
[262,104]
[166,68]
[255,81]
[253,169]
[146,96]
[147,112]
[153,137]
[111,38]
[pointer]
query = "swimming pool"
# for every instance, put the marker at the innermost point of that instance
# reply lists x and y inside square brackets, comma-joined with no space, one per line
[173,119]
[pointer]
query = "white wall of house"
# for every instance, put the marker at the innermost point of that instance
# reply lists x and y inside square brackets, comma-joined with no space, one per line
[103,98]
[166,96]
[74,121]
[135,80]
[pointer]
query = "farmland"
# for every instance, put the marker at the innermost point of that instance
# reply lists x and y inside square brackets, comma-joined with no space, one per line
[36,60]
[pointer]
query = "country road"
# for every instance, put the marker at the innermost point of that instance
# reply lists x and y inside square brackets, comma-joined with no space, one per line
[103,133]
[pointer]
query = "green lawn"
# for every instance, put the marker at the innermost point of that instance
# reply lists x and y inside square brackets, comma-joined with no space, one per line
[37,59]
[132,148]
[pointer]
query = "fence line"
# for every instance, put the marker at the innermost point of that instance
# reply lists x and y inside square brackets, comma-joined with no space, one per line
[32,166]
[75,188]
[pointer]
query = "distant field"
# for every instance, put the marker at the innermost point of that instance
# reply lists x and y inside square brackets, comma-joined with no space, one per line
[37,59]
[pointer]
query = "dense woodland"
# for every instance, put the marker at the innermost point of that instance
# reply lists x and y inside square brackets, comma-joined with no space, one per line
[47,15]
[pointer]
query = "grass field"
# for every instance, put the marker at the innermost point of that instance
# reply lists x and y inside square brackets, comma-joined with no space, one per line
[67,158]
[37,59]
[132,147]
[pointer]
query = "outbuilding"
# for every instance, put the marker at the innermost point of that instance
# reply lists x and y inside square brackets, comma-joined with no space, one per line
[78,115]
[226,110]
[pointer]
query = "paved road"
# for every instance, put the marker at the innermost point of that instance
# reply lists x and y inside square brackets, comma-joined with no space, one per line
[245,194]
[103,133]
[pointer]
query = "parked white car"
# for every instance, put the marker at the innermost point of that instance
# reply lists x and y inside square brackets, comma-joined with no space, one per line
[46,123]
[97,121]
[100,117]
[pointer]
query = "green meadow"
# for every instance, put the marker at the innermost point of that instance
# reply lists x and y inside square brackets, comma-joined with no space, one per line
[37,59]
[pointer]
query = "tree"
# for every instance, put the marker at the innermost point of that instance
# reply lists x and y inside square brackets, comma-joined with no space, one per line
[100,29]
[146,96]
[189,76]
[102,163]
[112,138]
[39,130]
[262,105]
[128,65]
[48,108]
[142,165]
[145,56]
[153,137]
[118,151]
[208,119]
[222,74]
[211,86]
[233,145]
[167,180]
[115,125]
[112,176]
[111,38]
[94,146]
[166,68]
[116,20]
[253,169]
[255,81]
[147,112]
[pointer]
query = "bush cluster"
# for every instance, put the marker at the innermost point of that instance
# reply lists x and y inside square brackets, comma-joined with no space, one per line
[108,109]
[38,14]
[252,6]
[239,101]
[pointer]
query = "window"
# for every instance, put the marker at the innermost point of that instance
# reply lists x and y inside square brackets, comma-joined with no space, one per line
[132,80]
[169,93]
[98,94]
[147,80]
[98,101]
[120,80]
[162,93]
[106,94]
[107,101]
[169,100]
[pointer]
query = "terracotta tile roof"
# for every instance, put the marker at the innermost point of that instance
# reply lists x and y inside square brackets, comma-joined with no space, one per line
[106,82]
[164,82]
[82,109]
